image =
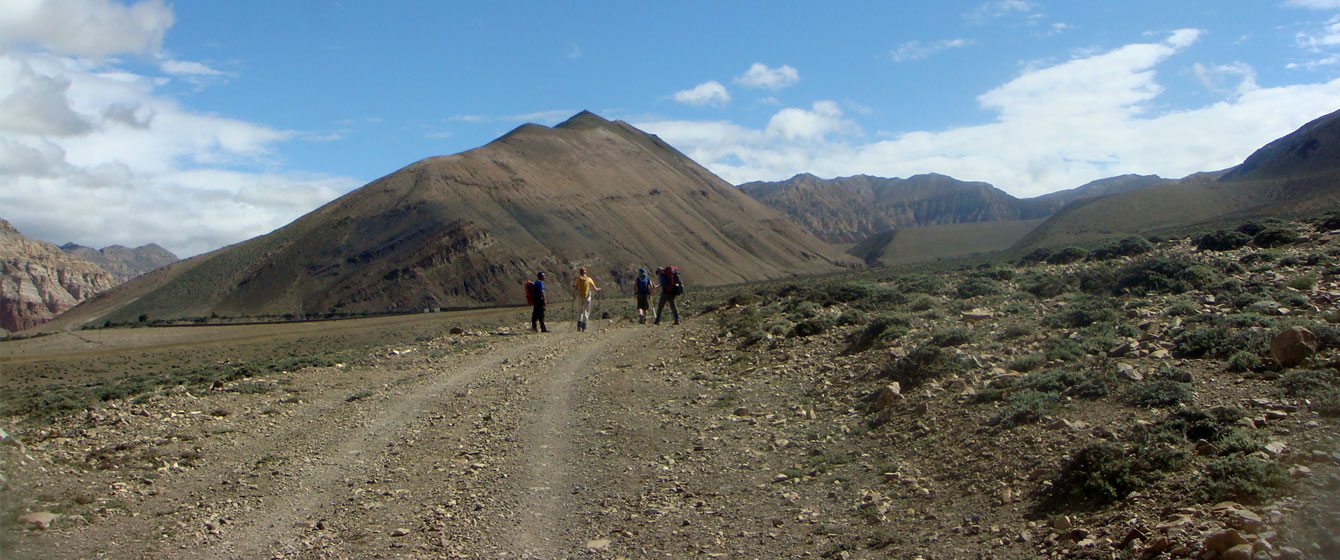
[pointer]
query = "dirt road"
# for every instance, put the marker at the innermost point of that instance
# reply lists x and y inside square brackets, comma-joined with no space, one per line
[524,446]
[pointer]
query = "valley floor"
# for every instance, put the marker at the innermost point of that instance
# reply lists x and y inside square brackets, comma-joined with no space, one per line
[625,441]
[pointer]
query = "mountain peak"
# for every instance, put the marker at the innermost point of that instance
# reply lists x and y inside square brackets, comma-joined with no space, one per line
[583,120]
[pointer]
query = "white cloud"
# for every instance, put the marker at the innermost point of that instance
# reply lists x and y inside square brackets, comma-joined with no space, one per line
[1314,4]
[759,75]
[188,68]
[1236,78]
[996,9]
[1056,127]
[822,120]
[1325,37]
[85,27]
[704,94]
[93,153]
[917,50]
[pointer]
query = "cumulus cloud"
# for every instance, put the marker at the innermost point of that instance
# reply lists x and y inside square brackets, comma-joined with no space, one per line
[1056,127]
[759,75]
[917,50]
[95,154]
[710,93]
[93,28]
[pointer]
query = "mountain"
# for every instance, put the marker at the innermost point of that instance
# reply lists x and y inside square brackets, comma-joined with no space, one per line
[1297,173]
[853,209]
[38,280]
[122,262]
[467,229]
[850,209]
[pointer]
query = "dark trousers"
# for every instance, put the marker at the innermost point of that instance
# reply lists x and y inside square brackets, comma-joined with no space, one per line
[537,316]
[666,297]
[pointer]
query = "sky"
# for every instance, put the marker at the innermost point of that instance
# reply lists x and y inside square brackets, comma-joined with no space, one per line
[199,124]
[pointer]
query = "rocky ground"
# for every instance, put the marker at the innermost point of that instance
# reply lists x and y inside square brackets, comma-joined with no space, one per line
[1123,404]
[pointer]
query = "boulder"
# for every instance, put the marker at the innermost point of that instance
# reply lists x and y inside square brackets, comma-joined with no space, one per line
[1293,346]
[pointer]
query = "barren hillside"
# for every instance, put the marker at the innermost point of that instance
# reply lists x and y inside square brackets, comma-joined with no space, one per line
[466,229]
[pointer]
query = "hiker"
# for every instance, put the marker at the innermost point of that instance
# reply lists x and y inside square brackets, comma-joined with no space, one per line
[583,290]
[670,289]
[535,296]
[642,290]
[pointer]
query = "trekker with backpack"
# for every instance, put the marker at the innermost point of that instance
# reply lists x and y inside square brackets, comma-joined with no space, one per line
[642,290]
[535,297]
[584,290]
[671,287]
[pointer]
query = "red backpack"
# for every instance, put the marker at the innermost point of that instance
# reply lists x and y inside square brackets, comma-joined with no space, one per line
[530,292]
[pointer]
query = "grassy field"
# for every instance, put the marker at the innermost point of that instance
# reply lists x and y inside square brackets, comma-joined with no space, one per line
[85,365]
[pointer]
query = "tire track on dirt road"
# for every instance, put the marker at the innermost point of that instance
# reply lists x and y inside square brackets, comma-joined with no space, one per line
[547,517]
[266,531]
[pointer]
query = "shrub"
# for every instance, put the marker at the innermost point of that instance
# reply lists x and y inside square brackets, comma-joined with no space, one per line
[1035,256]
[920,284]
[1128,247]
[1275,237]
[1241,478]
[1218,341]
[952,336]
[1303,283]
[1096,384]
[1016,330]
[1160,392]
[802,310]
[1047,285]
[1223,240]
[813,326]
[1243,361]
[924,363]
[1164,275]
[1187,424]
[1103,472]
[973,287]
[1025,407]
[1053,380]
[1063,349]
[922,302]
[1067,255]
[1082,313]
[1028,363]
[1322,387]
[881,327]
[1251,228]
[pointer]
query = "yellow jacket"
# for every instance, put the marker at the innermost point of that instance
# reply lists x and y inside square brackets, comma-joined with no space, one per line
[583,285]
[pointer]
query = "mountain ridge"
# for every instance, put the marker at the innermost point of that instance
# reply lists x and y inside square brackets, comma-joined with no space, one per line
[464,229]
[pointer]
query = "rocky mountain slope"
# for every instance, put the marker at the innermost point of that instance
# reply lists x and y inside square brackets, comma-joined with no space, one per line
[38,280]
[466,229]
[1298,173]
[124,263]
[852,209]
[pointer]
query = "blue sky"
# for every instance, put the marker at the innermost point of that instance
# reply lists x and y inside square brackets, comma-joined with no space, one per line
[199,124]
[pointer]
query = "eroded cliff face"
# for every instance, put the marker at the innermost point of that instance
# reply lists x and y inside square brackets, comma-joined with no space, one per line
[39,280]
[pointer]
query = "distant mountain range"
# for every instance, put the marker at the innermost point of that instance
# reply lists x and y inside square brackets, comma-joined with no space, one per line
[467,229]
[1294,174]
[39,280]
[924,217]
[124,263]
[852,209]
